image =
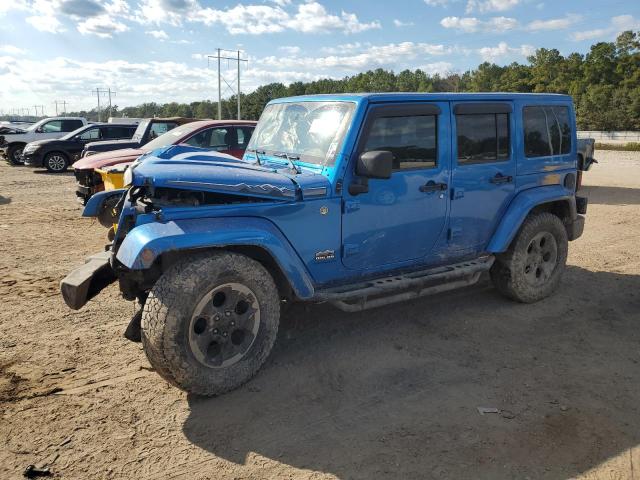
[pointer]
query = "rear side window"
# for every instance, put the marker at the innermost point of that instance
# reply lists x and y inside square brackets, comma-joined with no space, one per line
[71,125]
[411,139]
[158,128]
[482,137]
[115,133]
[547,131]
[91,134]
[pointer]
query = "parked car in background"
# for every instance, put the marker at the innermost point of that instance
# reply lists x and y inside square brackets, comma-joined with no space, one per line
[356,200]
[226,136]
[148,129]
[11,145]
[56,155]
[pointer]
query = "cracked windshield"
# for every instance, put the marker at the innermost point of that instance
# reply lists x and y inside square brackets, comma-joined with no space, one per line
[306,131]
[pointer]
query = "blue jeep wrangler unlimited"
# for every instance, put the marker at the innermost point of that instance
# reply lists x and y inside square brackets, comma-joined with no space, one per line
[355,200]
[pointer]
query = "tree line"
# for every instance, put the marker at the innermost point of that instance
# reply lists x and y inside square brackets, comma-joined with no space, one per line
[604,84]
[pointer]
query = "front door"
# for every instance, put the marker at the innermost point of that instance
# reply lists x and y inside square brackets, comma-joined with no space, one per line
[483,176]
[399,219]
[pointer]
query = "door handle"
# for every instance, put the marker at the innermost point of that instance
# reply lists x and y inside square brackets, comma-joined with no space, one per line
[499,179]
[432,186]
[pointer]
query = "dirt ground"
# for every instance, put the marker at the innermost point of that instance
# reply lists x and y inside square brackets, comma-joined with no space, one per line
[389,393]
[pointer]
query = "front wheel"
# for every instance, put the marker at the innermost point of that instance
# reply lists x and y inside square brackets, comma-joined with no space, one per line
[56,162]
[210,322]
[15,154]
[532,267]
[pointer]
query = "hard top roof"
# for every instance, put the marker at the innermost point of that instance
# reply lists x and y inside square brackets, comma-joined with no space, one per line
[426,96]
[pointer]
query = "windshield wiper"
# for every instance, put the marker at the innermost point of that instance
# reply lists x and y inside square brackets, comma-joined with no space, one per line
[258,153]
[290,159]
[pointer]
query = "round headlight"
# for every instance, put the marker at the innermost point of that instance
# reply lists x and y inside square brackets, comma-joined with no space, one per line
[128,176]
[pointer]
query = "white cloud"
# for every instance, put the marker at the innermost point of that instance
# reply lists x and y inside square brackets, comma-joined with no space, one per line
[440,68]
[438,3]
[158,34]
[503,51]
[554,23]
[313,17]
[483,6]
[12,50]
[617,25]
[472,24]
[45,23]
[102,26]
[290,50]
[400,23]
[308,17]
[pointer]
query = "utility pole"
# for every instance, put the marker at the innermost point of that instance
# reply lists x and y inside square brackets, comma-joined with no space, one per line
[64,106]
[219,57]
[98,91]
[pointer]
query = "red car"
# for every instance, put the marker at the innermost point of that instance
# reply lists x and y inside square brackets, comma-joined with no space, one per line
[226,136]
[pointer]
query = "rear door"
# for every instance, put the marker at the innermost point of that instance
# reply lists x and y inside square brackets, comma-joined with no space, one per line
[401,218]
[483,176]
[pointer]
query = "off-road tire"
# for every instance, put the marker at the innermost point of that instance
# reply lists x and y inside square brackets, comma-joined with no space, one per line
[56,162]
[168,311]
[14,153]
[508,271]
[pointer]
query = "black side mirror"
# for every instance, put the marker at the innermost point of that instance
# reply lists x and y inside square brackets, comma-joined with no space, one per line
[375,164]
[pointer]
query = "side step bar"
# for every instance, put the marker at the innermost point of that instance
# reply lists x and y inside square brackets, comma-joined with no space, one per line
[398,288]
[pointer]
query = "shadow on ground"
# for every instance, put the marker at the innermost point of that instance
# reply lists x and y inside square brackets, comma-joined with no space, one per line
[394,392]
[4,200]
[68,173]
[611,195]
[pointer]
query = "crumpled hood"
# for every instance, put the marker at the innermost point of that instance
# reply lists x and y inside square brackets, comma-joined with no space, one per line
[193,168]
[106,159]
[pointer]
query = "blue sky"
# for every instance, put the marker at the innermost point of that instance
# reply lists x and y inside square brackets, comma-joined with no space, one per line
[155,50]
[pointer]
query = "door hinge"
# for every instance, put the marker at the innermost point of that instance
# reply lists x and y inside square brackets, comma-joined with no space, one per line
[351,206]
[350,249]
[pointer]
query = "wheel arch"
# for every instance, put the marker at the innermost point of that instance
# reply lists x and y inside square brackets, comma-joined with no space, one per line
[153,247]
[554,199]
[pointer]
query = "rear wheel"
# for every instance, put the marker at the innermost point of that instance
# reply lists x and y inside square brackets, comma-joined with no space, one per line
[15,154]
[532,267]
[210,322]
[56,162]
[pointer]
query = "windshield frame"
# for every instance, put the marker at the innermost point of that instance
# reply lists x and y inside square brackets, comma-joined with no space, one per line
[333,147]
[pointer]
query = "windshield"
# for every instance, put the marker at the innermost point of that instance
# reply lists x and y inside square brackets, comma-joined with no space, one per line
[311,131]
[139,133]
[171,136]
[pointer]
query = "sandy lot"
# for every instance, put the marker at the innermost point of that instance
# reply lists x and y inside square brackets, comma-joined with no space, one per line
[389,393]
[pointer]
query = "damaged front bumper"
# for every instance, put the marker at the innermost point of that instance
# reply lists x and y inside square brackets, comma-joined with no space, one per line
[85,282]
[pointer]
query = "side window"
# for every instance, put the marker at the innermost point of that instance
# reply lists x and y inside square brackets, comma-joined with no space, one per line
[71,125]
[244,135]
[411,139]
[54,126]
[221,138]
[482,137]
[547,131]
[200,139]
[91,134]
[114,133]
[159,128]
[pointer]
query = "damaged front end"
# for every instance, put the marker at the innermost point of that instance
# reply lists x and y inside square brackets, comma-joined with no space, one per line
[168,198]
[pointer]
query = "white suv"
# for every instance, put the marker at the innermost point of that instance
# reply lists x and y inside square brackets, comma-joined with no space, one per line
[11,146]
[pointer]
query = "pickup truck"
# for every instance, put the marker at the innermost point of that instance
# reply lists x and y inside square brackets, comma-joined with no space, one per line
[147,130]
[11,145]
[358,200]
